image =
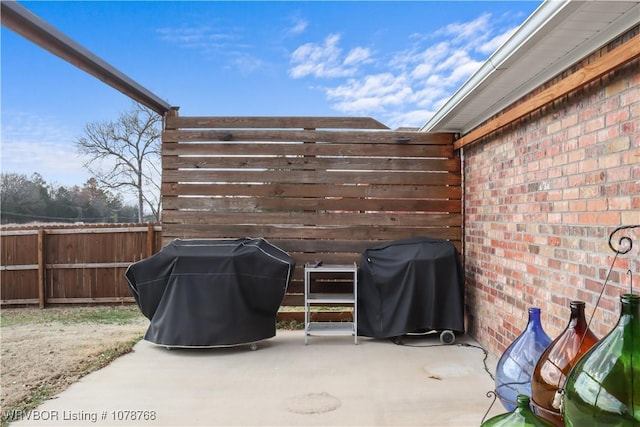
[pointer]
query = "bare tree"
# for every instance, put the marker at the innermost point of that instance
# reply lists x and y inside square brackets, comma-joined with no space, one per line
[124,156]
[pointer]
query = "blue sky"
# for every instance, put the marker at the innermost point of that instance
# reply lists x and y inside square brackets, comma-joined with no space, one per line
[394,61]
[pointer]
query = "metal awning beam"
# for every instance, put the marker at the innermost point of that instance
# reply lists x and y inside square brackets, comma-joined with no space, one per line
[18,19]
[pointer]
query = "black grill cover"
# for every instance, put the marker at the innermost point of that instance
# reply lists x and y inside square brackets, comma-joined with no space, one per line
[206,293]
[412,285]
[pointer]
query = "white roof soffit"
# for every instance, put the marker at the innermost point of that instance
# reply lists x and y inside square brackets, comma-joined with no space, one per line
[556,35]
[18,19]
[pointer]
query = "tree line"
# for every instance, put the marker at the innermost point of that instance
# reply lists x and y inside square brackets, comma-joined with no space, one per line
[123,157]
[31,199]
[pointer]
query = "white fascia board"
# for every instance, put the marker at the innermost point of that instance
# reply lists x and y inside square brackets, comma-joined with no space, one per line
[509,50]
[600,39]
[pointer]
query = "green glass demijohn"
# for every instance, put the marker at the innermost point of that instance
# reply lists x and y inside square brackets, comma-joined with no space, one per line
[521,416]
[603,387]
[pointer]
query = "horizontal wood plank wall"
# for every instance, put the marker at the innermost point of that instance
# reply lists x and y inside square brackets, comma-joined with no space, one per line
[317,187]
[50,264]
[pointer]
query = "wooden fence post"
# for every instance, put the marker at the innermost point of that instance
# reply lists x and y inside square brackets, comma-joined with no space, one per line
[41,268]
[150,240]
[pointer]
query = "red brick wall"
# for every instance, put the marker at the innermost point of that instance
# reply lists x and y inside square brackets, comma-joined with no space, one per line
[541,199]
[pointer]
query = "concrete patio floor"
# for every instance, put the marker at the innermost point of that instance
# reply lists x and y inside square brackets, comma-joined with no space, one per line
[329,382]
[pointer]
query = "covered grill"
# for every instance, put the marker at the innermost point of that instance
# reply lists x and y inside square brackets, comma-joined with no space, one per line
[409,286]
[206,293]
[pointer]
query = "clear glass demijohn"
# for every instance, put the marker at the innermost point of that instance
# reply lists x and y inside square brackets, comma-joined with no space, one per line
[516,365]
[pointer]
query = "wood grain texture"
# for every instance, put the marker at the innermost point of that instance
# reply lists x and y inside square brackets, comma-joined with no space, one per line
[317,194]
[175,122]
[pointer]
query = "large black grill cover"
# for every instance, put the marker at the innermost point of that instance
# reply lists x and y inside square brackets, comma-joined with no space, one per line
[412,285]
[208,292]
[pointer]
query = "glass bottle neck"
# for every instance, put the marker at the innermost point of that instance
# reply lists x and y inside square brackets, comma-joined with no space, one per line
[523,401]
[534,319]
[630,306]
[577,319]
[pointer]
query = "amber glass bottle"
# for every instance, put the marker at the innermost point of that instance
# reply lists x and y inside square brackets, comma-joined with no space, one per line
[555,363]
[603,388]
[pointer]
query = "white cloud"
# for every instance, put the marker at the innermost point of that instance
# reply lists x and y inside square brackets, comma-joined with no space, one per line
[223,45]
[325,59]
[430,95]
[202,37]
[357,56]
[463,71]
[299,26]
[56,163]
[377,85]
[358,106]
[407,86]
[19,125]
[461,32]
[456,68]
[493,44]
[247,64]
[374,93]
[412,118]
[33,143]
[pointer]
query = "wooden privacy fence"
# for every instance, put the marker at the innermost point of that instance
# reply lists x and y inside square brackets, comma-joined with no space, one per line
[72,264]
[317,187]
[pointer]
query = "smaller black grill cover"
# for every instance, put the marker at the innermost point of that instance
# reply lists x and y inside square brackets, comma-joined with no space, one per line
[211,292]
[412,285]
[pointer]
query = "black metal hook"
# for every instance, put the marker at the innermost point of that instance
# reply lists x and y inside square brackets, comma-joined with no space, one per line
[625,243]
[495,397]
